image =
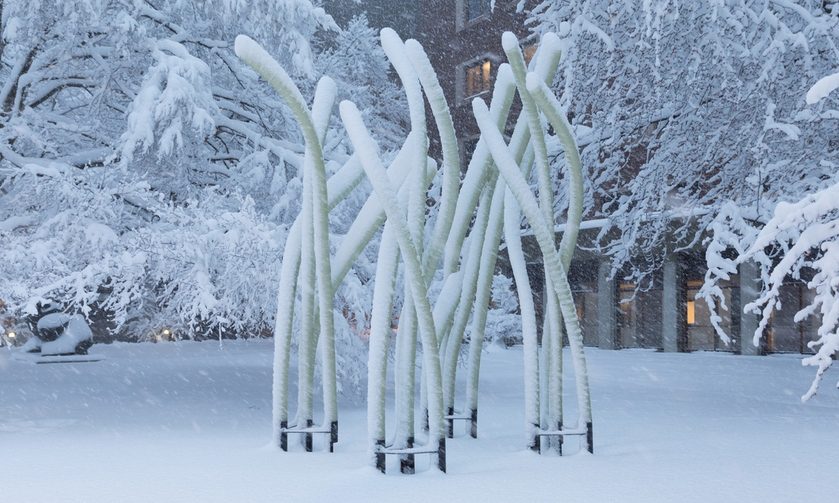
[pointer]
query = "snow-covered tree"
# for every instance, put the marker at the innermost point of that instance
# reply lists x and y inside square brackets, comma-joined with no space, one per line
[357,62]
[146,170]
[683,106]
[798,240]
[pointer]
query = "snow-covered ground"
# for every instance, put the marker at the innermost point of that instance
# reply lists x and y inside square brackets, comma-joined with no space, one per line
[189,422]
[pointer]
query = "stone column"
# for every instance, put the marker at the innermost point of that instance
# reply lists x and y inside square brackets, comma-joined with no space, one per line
[749,290]
[606,307]
[671,305]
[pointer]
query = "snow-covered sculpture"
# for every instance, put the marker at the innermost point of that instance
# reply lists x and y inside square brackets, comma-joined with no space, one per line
[468,247]
[312,229]
[58,334]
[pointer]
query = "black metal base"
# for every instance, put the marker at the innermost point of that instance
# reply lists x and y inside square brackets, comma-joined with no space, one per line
[536,440]
[283,436]
[559,440]
[407,463]
[560,435]
[451,417]
[308,433]
[406,459]
[380,456]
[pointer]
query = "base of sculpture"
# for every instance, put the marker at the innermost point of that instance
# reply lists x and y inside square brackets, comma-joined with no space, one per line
[309,430]
[39,359]
[406,455]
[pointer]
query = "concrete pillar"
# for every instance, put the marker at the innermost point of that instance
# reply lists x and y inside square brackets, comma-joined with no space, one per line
[606,307]
[749,290]
[671,305]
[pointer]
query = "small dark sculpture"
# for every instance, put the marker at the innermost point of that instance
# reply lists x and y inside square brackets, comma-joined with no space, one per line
[57,333]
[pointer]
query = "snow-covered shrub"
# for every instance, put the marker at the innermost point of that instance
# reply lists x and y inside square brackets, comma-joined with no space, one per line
[503,322]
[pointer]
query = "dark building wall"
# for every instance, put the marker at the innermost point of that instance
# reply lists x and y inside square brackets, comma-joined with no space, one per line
[453,42]
[401,15]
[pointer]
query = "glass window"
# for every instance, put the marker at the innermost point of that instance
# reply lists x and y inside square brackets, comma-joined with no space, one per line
[478,78]
[639,315]
[627,316]
[701,335]
[476,9]
[784,334]
[528,52]
[582,276]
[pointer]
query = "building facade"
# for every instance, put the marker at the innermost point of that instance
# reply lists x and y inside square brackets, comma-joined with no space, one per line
[463,42]
[401,15]
[667,316]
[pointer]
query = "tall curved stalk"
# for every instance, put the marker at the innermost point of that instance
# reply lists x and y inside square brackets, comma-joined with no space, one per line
[512,236]
[380,329]
[544,236]
[549,105]
[537,138]
[471,268]
[546,62]
[366,150]
[406,345]
[316,201]
[451,154]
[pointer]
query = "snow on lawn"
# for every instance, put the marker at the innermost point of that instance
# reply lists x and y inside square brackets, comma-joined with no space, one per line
[189,422]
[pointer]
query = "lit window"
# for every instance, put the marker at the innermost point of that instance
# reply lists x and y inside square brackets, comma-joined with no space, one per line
[691,312]
[476,9]
[528,52]
[478,78]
